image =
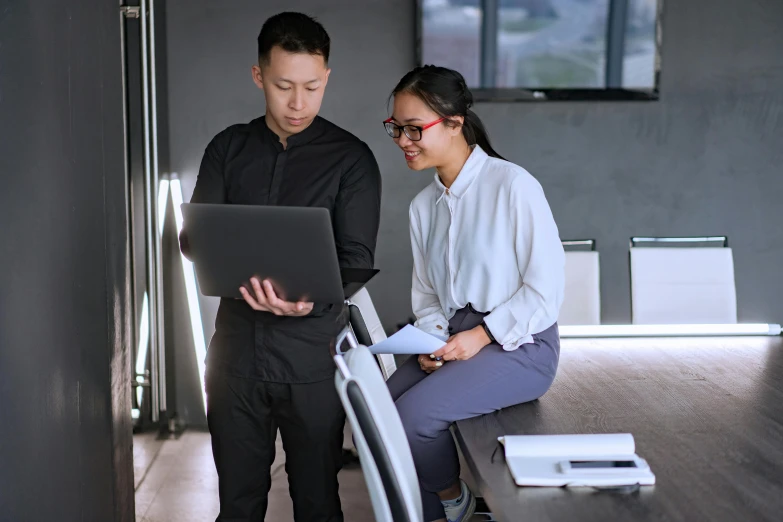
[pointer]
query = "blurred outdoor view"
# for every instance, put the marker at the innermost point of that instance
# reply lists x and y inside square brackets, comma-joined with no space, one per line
[540,43]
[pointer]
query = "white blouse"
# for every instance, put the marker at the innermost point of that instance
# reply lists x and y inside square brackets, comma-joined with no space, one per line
[489,240]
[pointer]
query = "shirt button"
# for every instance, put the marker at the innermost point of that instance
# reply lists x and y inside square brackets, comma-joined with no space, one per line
[447,192]
[439,327]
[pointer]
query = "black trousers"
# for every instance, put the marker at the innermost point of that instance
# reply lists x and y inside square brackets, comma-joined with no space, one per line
[244,416]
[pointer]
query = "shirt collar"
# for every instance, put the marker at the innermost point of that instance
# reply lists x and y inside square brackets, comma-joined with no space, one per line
[312,131]
[466,176]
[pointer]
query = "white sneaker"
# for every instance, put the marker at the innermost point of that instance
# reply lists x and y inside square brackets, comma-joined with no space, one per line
[465,509]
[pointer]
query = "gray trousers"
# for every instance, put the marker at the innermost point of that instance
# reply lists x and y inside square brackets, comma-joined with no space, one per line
[490,380]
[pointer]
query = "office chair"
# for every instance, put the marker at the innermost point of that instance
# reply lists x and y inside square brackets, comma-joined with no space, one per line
[368,329]
[378,434]
[676,281]
[582,296]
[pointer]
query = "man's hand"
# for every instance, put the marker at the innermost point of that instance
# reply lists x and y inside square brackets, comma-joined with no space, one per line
[265,300]
[464,345]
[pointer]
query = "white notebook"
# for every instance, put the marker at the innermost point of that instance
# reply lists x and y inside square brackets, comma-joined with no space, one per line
[575,460]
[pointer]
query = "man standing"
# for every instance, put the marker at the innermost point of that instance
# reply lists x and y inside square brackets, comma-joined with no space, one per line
[269,364]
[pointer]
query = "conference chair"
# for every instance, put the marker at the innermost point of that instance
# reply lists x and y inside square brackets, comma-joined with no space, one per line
[582,297]
[368,329]
[378,433]
[680,280]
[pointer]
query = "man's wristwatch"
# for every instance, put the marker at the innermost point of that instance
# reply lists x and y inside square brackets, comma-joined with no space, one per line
[489,334]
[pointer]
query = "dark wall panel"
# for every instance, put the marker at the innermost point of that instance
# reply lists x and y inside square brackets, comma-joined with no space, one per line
[65,436]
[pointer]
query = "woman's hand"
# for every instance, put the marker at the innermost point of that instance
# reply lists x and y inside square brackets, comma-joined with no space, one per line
[427,364]
[265,300]
[464,345]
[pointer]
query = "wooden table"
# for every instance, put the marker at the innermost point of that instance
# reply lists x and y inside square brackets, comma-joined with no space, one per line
[707,414]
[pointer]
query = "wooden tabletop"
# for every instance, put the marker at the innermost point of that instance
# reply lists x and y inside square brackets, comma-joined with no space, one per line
[706,413]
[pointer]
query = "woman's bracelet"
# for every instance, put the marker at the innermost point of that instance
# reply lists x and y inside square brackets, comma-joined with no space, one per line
[489,334]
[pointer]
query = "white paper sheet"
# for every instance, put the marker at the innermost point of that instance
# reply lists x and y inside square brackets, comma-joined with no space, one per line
[409,340]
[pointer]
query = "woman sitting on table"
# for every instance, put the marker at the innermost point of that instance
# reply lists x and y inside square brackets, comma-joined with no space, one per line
[488,277]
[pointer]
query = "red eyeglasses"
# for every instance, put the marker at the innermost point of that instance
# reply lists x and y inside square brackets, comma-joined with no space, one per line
[413,132]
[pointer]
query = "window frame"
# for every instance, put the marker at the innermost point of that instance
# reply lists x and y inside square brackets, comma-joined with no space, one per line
[615,43]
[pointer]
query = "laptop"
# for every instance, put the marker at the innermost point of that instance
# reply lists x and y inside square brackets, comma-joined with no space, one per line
[293,247]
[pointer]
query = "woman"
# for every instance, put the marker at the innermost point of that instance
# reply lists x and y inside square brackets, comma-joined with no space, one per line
[488,278]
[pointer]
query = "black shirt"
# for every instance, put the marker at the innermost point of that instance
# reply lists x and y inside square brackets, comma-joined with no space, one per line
[322,166]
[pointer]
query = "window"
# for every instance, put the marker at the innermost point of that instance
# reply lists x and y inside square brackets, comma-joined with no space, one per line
[545,49]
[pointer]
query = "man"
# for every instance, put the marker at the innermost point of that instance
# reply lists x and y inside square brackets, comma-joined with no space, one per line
[269,364]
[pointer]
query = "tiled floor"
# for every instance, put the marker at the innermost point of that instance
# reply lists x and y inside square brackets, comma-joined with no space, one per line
[176,482]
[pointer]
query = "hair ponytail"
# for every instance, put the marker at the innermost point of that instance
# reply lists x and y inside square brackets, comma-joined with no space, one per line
[445,92]
[475,134]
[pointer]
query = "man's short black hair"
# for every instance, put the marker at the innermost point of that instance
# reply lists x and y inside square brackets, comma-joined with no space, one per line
[295,33]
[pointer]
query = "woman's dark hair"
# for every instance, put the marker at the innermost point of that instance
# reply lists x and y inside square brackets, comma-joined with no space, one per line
[295,33]
[445,92]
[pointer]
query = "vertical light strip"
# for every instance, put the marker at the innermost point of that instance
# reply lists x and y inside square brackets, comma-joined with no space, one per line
[144,341]
[192,292]
[175,188]
[144,327]
[163,198]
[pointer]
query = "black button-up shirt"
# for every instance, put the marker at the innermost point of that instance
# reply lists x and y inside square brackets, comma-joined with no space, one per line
[322,166]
